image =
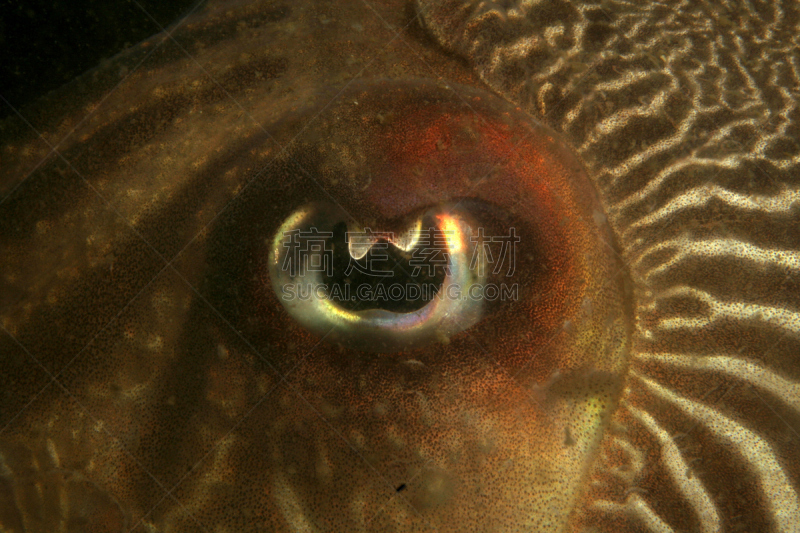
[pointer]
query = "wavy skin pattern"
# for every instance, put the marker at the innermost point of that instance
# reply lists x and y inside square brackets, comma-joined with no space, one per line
[686,114]
[137,395]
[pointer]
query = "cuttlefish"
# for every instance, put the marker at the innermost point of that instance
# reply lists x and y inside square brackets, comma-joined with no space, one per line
[603,198]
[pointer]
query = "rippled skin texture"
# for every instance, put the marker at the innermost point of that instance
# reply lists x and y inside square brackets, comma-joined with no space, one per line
[120,280]
[686,115]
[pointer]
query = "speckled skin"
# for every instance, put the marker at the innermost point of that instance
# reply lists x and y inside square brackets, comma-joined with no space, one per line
[150,383]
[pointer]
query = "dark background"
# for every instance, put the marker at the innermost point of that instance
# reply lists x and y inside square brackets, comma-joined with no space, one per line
[46,43]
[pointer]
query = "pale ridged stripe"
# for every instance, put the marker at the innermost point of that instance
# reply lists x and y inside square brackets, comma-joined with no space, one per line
[642,156]
[636,507]
[653,185]
[718,310]
[522,48]
[715,248]
[691,487]
[698,197]
[623,170]
[620,120]
[753,373]
[631,77]
[780,496]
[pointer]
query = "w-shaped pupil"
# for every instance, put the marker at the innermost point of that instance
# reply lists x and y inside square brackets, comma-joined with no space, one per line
[386,277]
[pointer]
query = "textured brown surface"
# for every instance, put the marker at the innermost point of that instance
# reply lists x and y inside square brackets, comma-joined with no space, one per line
[138,394]
[686,115]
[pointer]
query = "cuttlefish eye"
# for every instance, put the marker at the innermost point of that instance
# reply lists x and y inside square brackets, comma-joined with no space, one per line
[516,214]
[453,397]
[441,268]
[495,186]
